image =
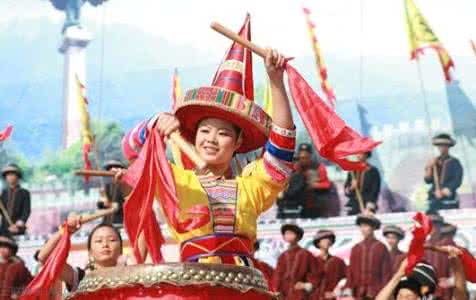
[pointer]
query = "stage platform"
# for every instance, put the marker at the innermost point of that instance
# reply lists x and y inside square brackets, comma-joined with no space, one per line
[270,236]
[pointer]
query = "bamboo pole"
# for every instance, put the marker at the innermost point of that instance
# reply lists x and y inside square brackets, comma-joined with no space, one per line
[5,214]
[436,178]
[358,193]
[86,218]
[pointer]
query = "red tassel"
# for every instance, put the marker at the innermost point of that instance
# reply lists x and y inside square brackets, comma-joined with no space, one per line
[40,286]
[87,162]
[469,265]
[152,173]
[6,133]
[331,136]
[417,245]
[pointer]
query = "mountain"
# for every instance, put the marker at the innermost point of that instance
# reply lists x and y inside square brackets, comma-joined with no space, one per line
[136,73]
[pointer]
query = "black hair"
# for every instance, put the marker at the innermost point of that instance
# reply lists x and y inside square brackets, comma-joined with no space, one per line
[90,237]
[256,245]
[236,128]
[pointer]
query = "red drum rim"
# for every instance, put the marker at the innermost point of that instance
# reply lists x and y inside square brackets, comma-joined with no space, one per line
[238,278]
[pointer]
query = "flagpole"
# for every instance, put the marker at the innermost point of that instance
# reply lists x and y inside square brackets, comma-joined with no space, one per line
[425,104]
[361,61]
[428,121]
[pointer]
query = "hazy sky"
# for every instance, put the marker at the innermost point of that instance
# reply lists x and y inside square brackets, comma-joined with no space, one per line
[278,23]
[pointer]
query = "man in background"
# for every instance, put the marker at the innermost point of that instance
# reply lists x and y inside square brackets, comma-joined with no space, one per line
[369,265]
[297,273]
[114,192]
[15,201]
[440,261]
[334,267]
[14,276]
[363,186]
[394,235]
[309,187]
[445,174]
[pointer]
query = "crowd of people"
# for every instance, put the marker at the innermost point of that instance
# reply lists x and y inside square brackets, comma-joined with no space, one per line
[374,271]
[312,195]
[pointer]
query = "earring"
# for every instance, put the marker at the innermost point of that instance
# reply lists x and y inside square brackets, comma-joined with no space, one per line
[91,264]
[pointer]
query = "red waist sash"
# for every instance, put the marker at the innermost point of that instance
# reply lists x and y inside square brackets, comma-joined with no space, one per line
[221,245]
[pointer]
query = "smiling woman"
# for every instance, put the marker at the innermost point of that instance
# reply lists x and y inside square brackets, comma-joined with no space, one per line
[222,120]
[104,249]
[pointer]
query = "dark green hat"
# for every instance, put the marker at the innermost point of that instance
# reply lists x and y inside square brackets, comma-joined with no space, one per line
[324,234]
[294,228]
[113,164]
[10,243]
[369,219]
[12,168]
[448,229]
[443,139]
[394,229]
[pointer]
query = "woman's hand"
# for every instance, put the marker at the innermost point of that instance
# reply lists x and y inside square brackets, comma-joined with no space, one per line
[167,123]
[275,63]
[402,267]
[74,222]
[119,173]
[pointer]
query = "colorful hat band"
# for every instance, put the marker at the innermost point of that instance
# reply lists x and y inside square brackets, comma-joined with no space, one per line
[443,141]
[229,101]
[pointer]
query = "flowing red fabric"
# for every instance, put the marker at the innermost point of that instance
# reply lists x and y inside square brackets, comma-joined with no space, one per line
[87,161]
[5,134]
[469,265]
[417,245]
[331,136]
[152,173]
[40,285]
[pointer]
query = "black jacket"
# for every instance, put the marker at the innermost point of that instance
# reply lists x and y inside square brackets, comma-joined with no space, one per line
[114,194]
[450,175]
[369,182]
[17,203]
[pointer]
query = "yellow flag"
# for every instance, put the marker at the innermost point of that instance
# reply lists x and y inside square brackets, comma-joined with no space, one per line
[321,67]
[268,99]
[176,96]
[176,89]
[421,36]
[86,133]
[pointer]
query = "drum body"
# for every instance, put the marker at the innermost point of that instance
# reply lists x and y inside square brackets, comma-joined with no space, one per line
[189,281]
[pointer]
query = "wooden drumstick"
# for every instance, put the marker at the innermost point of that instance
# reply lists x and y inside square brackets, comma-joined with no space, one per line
[98,173]
[86,218]
[236,38]
[188,149]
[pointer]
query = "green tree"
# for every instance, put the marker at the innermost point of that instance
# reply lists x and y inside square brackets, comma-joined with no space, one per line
[9,155]
[108,141]
[62,164]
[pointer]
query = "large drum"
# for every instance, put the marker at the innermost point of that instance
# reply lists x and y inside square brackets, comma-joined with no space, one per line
[189,281]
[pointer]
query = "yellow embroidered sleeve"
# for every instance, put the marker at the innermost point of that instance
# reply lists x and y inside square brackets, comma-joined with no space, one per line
[257,188]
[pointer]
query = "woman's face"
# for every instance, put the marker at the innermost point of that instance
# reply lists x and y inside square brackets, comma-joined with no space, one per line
[105,247]
[216,141]
[407,294]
